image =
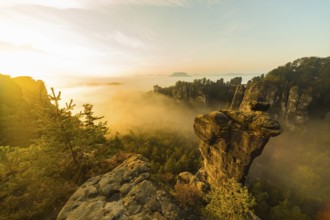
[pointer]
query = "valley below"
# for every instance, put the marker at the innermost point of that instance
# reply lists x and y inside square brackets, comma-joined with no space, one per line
[232,147]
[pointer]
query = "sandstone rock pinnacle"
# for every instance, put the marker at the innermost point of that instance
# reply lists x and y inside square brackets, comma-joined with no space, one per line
[230,141]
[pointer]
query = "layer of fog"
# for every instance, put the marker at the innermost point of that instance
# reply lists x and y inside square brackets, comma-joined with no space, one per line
[298,162]
[128,103]
[132,105]
[141,83]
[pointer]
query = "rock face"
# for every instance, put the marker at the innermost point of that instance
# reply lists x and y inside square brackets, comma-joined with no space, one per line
[238,97]
[192,180]
[124,193]
[297,106]
[230,141]
[297,92]
[290,105]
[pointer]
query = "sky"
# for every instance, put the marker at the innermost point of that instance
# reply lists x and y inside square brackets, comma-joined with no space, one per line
[104,38]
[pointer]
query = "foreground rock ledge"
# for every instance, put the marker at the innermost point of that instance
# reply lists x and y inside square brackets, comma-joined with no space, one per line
[124,193]
[230,141]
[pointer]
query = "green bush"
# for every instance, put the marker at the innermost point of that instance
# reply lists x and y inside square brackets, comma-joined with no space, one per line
[168,151]
[37,180]
[231,201]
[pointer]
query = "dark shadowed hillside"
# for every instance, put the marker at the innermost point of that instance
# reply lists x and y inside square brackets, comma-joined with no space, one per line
[20,99]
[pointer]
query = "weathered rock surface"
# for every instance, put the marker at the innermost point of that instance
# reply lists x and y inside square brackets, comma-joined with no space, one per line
[297,92]
[238,97]
[290,105]
[192,180]
[124,193]
[230,141]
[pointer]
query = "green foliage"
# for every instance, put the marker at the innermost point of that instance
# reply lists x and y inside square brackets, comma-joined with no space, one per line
[236,81]
[273,203]
[305,156]
[284,210]
[169,152]
[69,139]
[257,79]
[231,201]
[37,180]
[309,73]
[190,198]
[28,189]
[303,71]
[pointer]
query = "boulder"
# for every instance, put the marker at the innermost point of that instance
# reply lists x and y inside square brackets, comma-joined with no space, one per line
[192,180]
[124,193]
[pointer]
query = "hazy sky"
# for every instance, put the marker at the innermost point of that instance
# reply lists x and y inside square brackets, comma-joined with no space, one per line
[44,38]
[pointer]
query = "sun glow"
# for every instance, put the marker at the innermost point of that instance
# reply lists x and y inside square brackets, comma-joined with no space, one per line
[48,50]
[56,39]
[49,3]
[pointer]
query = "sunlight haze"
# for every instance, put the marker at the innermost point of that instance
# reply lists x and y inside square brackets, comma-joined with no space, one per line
[164,109]
[55,39]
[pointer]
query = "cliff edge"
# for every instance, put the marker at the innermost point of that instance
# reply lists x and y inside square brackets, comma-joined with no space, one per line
[230,141]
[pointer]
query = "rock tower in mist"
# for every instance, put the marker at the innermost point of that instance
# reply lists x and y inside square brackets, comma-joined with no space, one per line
[231,140]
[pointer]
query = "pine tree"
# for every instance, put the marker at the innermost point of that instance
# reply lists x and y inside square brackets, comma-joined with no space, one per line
[70,140]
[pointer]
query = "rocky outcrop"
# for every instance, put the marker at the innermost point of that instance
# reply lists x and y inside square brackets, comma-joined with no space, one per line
[230,141]
[124,193]
[290,105]
[192,180]
[201,92]
[297,107]
[238,97]
[183,92]
[296,92]
[261,92]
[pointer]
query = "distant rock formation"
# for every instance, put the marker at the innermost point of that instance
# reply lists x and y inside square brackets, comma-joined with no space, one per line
[295,92]
[230,141]
[202,92]
[180,74]
[124,193]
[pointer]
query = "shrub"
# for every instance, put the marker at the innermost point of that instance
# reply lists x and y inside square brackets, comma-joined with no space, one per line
[231,201]
[189,197]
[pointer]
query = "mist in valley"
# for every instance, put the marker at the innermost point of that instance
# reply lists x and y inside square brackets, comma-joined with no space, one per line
[290,176]
[295,162]
[109,91]
[130,103]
